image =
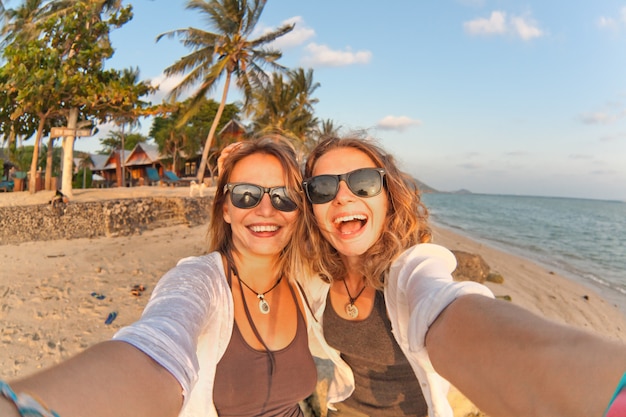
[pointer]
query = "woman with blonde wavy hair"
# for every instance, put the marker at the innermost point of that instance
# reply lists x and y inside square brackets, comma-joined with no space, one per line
[395,324]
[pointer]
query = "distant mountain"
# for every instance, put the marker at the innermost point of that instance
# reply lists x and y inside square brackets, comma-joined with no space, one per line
[426,189]
[461,191]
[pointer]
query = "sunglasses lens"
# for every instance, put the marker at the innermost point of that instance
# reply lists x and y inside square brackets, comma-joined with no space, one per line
[281,201]
[365,182]
[245,196]
[322,189]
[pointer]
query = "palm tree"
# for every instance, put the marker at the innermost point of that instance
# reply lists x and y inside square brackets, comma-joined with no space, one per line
[128,116]
[228,52]
[327,129]
[286,106]
[21,23]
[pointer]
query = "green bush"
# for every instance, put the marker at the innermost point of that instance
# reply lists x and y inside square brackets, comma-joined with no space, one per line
[78,178]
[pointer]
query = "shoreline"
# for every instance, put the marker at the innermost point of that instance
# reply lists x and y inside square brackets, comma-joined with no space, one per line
[611,295]
[540,289]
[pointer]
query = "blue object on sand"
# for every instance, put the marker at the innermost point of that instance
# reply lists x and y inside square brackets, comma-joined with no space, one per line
[112,316]
[98,296]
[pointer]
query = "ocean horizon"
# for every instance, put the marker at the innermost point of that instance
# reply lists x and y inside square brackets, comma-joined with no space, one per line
[582,239]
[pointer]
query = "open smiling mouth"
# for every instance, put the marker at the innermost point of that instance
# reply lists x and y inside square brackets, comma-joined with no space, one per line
[264,228]
[350,224]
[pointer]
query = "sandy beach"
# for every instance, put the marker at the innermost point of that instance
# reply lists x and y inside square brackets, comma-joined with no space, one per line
[55,296]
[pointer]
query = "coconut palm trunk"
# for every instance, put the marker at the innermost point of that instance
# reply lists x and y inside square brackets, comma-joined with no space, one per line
[211,135]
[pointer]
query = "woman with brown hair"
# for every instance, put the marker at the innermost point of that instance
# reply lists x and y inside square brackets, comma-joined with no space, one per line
[395,324]
[223,333]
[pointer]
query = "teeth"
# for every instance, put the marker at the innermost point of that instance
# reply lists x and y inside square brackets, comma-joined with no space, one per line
[350,218]
[259,229]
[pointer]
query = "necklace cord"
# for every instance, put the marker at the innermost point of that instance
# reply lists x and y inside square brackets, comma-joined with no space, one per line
[353,299]
[259,295]
[270,354]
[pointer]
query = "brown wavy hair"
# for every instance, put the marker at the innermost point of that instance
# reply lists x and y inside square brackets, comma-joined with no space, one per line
[219,234]
[406,224]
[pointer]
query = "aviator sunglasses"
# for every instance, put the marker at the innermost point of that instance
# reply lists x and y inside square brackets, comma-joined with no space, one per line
[246,196]
[364,182]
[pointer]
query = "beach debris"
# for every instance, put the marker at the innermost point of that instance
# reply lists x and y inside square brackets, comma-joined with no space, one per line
[504,297]
[495,277]
[98,296]
[137,290]
[470,267]
[586,297]
[58,199]
[112,315]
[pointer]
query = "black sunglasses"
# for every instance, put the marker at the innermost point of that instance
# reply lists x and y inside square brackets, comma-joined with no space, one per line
[246,196]
[364,182]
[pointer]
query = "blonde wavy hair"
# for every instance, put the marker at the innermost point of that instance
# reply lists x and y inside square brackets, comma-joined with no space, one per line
[219,234]
[405,226]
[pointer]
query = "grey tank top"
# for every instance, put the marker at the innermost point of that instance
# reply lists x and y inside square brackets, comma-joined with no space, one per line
[250,383]
[385,384]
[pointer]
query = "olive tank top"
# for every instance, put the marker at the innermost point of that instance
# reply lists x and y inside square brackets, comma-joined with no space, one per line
[385,384]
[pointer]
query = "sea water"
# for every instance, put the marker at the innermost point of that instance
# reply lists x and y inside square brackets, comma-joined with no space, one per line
[585,240]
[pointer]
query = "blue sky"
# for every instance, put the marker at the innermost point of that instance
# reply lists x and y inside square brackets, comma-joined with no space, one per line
[498,97]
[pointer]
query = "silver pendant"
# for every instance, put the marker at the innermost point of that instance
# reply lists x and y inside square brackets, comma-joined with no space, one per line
[264,306]
[352,311]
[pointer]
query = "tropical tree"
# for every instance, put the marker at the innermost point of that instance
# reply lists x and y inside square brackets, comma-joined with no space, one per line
[59,70]
[285,106]
[178,140]
[129,115]
[113,141]
[327,128]
[224,54]
[14,124]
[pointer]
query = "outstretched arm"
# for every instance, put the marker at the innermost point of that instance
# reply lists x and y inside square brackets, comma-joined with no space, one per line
[510,362]
[110,379]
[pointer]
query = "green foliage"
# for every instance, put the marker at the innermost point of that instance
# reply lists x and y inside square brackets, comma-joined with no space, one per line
[285,106]
[54,56]
[176,139]
[83,174]
[228,53]
[56,159]
[23,157]
[114,141]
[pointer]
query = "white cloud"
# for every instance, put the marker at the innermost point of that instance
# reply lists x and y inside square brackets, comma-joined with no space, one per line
[495,24]
[580,156]
[298,36]
[322,55]
[517,154]
[601,118]
[165,85]
[398,123]
[613,137]
[612,23]
[499,24]
[606,22]
[470,166]
[526,30]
